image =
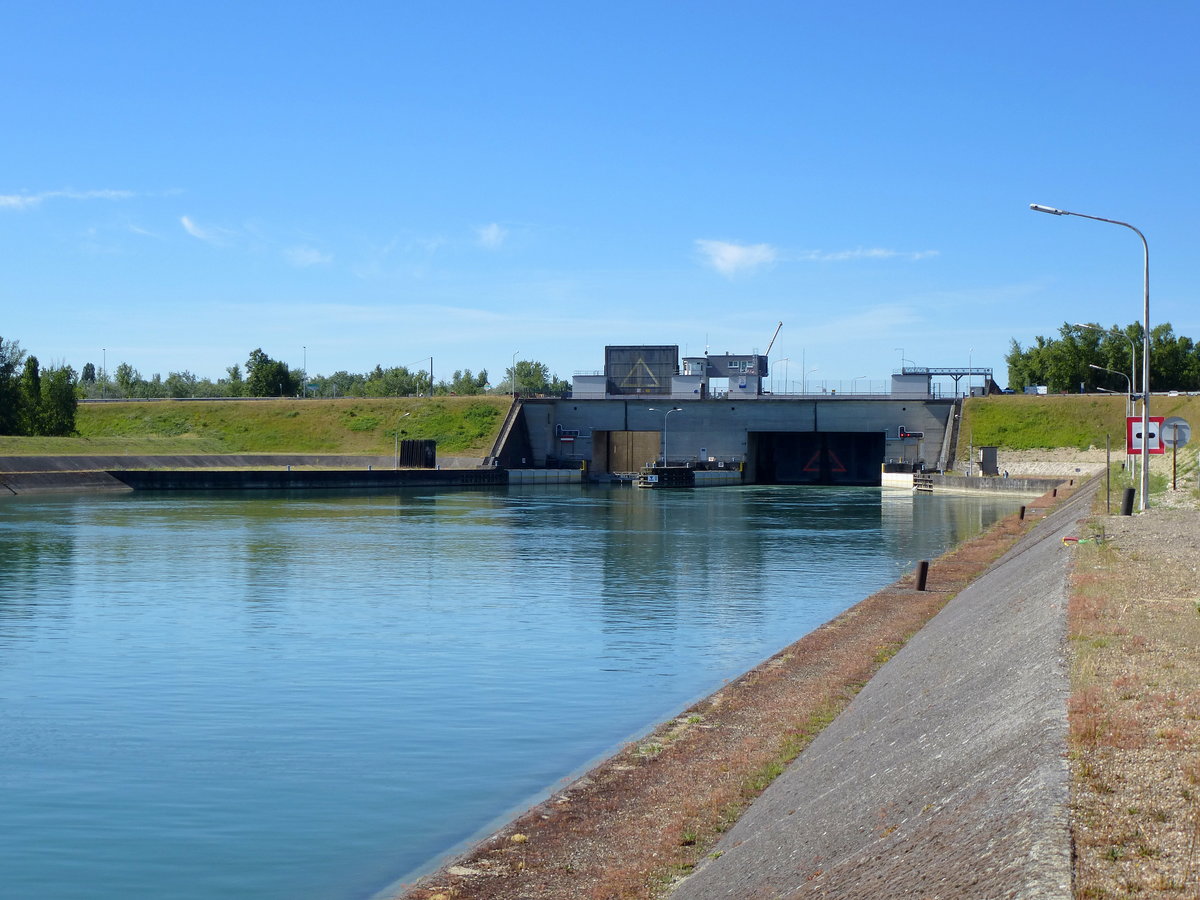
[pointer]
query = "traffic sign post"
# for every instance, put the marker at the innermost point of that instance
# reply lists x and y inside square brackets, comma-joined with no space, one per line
[1134,439]
[1176,432]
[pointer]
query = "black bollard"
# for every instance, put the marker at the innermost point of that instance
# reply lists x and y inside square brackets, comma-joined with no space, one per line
[1021,514]
[922,574]
[1127,502]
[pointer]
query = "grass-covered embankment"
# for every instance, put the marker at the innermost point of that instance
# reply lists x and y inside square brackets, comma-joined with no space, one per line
[463,426]
[1031,422]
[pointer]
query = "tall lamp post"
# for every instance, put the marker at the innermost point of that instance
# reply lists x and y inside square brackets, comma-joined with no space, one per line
[1132,376]
[854,384]
[514,375]
[1144,502]
[785,362]
[664,431]
[1128,381]
[804,380]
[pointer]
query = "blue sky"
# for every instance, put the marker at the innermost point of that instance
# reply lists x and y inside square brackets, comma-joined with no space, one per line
[385,182]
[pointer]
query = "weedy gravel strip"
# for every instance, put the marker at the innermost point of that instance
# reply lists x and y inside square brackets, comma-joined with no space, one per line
[1134,626]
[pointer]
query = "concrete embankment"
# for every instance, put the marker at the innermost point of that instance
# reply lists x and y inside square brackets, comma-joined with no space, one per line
[41,474]
[946,776]
[50,474]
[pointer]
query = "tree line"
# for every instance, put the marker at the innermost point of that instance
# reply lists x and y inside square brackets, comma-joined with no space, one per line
[1066,362]
[263,376]
[35,400]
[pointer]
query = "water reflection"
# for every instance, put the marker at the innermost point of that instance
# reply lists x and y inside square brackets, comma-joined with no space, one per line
[308,695]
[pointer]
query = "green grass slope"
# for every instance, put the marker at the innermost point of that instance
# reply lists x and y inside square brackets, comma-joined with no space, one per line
[1031,422]
[462,426]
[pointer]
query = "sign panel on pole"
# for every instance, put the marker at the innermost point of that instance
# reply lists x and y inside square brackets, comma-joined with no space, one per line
[1133,436]
[1176,431]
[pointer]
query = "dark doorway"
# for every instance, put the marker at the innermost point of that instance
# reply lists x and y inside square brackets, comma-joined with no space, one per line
[806,457]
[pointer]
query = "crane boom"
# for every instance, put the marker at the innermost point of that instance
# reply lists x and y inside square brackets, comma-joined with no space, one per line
[771,343]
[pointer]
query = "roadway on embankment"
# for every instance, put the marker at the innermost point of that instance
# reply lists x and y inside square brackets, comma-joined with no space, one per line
[947,775]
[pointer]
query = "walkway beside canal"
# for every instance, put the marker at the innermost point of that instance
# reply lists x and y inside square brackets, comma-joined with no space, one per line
[947,775]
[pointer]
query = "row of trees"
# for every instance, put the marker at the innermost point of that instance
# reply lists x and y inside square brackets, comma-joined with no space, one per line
[263,376]
[33,400]
[1064,363]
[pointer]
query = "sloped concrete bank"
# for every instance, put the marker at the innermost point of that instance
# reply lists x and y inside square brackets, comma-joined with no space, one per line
[42,474]
[946,776]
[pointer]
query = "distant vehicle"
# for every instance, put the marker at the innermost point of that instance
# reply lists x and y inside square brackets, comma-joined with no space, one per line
[1008,391]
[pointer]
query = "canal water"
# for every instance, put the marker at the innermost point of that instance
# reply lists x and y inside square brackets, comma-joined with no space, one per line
[313,696]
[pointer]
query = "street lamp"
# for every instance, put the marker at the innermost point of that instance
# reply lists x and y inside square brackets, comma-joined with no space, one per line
[854,383]
[1132,355]
[514,375]
[664,429]
[1128,381]
[804,380]
[1144,503]
[305,369]
[785,361]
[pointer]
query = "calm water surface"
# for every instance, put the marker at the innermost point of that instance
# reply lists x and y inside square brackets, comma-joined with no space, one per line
[311,696]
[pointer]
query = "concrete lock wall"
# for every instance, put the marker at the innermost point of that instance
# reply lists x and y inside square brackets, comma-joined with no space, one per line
[745,432]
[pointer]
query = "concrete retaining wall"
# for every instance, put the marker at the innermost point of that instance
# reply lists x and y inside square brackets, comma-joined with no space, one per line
[1033,486]
[717,477]
[545,476]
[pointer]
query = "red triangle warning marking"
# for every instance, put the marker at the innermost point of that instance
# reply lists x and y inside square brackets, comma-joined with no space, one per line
[814,464]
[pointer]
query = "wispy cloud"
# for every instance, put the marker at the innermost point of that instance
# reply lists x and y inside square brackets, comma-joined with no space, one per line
[30,201]
[492,236]
[730,259]
[862,253]
[209,234]
[304,256]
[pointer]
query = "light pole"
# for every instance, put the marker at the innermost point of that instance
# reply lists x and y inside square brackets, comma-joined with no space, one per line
[1132,357]
[664,430]
[305,370]
[970,354]
[104,369]
[804,380]
[785,361]
[514,375]
[1144,503]
[1128,382]
[854,383]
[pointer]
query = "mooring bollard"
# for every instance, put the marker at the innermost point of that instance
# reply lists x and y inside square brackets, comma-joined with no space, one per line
[1054,492]
[922,574]
[1021,514]
[1127,502]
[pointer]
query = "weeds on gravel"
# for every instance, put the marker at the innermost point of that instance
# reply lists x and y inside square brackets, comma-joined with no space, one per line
[1133,712]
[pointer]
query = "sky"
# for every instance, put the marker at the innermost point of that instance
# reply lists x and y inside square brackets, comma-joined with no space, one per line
[360,183]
